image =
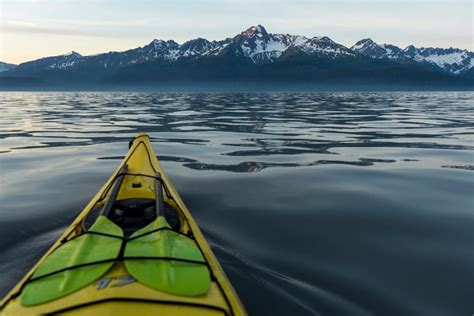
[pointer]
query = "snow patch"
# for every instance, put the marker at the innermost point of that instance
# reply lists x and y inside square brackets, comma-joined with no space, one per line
[444,59]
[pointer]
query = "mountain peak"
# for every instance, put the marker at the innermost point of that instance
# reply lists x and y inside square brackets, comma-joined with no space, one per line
[366,40]
[195,47]
[72,54]
[258,31]
[161,44]
[368,47]
[363,43]
[410,48]
[196,41]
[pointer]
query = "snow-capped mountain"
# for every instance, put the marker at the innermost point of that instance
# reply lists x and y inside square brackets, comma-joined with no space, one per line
[6,66]
[255,54]
[196,47]
[369,48]
[65,61]
[254,44]
[452,60]
[261,47]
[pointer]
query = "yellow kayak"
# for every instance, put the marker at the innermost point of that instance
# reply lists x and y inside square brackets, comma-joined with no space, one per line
[134,250]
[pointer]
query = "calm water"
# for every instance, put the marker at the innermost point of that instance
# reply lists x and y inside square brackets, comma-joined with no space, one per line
[315,203]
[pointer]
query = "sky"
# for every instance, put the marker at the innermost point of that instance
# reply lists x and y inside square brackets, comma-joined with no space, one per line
[31,29]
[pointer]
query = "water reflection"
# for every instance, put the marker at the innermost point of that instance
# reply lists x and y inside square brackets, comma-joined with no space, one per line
[273,125]
[314,203]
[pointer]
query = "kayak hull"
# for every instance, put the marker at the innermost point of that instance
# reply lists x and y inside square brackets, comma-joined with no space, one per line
[116,292]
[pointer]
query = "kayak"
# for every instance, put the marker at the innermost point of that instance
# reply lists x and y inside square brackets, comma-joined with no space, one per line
[134,250]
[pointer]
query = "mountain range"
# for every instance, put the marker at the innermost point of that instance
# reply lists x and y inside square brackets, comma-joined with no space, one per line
[254,55]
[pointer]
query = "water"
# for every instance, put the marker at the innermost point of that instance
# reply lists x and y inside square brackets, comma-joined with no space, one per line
[314,203]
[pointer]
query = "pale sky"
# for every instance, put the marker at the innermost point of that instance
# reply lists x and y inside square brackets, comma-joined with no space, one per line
[31,29]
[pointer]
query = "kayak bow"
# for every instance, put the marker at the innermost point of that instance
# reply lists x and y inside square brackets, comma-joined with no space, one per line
[134,249]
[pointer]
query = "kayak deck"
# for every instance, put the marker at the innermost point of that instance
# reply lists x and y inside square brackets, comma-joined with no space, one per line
[130,284]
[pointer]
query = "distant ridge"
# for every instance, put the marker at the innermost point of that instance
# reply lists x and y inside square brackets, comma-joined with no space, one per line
[6,66]
[256,55]
[451,60]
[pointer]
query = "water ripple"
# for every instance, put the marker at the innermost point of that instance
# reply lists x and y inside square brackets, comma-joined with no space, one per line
[314,203]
